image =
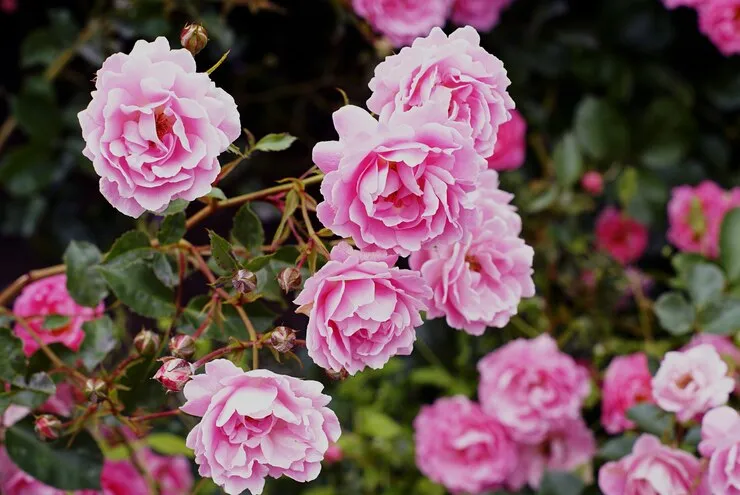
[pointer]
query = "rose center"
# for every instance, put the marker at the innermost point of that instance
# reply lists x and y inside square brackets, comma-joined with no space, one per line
[163,124]
[473,263]
[684,381]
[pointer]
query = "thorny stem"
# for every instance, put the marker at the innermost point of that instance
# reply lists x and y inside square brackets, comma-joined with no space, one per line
[317,242]
[152,416]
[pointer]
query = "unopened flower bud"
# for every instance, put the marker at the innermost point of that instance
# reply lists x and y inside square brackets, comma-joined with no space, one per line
[593,183]
[95,389]
[47,427]
[244,281]
[182,346]
[193,38]
[333,454]
[289,279]
[282,339]
[337,375]
[146,342]
[173,374]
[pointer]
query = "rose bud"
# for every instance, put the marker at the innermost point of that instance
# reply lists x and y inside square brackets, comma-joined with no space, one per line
[282,339]
[337,375]
[289,279]
[244,281]
[182,346]
[95,389]
[193,38]
[173,374]
[47,427]
[333,454]
[146,342]
[593,183]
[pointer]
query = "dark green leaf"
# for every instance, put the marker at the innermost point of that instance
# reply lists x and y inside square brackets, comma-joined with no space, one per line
[560,483]
[84,282]
[164,271]
[221,252]
[137,286]
[37,113]
[174,207]
[13,360]
[721,316]
[100,339]
[172,229]
[666,133]
[129,241]
[248,230]
[616,448]
[568,161]
[27,169]
[34,391]
[705,283]
[257,263]
[54,322]
[650,418]
[275,142]
[39,48]
[601,131]
[675,314]
[216,193]
[729,245]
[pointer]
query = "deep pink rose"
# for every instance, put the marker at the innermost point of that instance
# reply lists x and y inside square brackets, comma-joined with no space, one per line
[532,388]
[8,6]
[455,72]
[460,447]
[627,382]
[155,127]
[122,478]
[172,473]
[695,217]
[257,424]
[652,468]
[13,481]
[483,15]
[624,238]
[720,433]
[398,185]
[511,144]
[45,297]
[565,449]
[593,183]
[692,382]
[718,20]
[363,311]
[479,281]
[404,21]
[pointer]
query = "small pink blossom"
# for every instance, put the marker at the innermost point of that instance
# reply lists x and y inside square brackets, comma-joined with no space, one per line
[624,238]
[511,144]
[652,468]
[718,20]
[155,127]
[333,454]
[455,73]
[172,473]
[720,433]
[691,382]
[363,311]
[532,388]
[483,15]
[460,447]
[122,478]
[257,424]
[593,183]
[46,297]
[627,382]
[402,22]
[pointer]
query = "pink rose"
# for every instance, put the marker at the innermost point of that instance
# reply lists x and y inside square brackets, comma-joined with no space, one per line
[565,449]
[622,237]
[45,297]
[122,478]
[257,424]
[511,144]
[723,345]
[155,127]
[460,447]
[691,382]
[403,21]
[718,22]
[720,433]
[695,217]
[483,15]
[363,311]
[593,183]
[333,454]
[532,388]
[479,281]
[396,186]
[627,382]
[8,6]
[456,73]
[171,473]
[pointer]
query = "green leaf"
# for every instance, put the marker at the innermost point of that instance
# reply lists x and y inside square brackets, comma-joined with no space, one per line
[39,48]
[616,448]
[568,161]
[683,263]
[627,186]
[13,360]
[705,283]
[674,312]
[221,252]
[721,317]
[666,133]
[84,283]
[129,241]
[54,322]
[27,169]
[169,444]
[34,391]
[376,424]
[437,377]
[650,418]
[137,286]
[172,229]
[275,142]
[560,483]
[60,464]
[248,230]
[100,339]
[257,263]
[601,131]
[164,271]
[729,245]
[291,204]
[216,193]
[37,113]
[176,206]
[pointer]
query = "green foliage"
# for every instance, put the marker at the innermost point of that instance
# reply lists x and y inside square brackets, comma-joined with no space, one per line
[730,245]
[172,229]
[651,419]
[136,285]
[275,142]
[248,230]
[100,339]
[84,282]
[675,314]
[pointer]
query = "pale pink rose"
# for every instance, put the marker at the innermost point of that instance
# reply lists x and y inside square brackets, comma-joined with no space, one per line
[627,382]
[483,15]
[155,127]
[455,72]
[122,478]
[718,20]
[13,414]
[402,22]
[624,238]
[45,297]
[460,447]
[654,469]
[511,144]
[691,382]
[396,185]
[172,473]
[363,310]
[257,424]
[565,449]
[695,217]
[532,388]
[723,345]
[720,433]
[593,183]
[479,281]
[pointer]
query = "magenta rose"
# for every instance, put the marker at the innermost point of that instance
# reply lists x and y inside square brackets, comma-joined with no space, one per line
[483,15]
[720,434]
[532,388]
[456,73]
[718,22]
[256,424]
[172,473]
[402,22]
[460,447]
[692,382]
[624,238]
[511,144]
[396,185]
[652,468]
[627,382]
[46,297]
[155,127]
[362,310]
[122,478]
[479,281]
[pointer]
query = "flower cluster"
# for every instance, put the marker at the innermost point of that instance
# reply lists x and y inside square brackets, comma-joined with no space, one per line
[717,21]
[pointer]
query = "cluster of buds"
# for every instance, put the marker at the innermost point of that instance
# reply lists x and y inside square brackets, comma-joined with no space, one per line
[47,427]
[174,373]
[282,339]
